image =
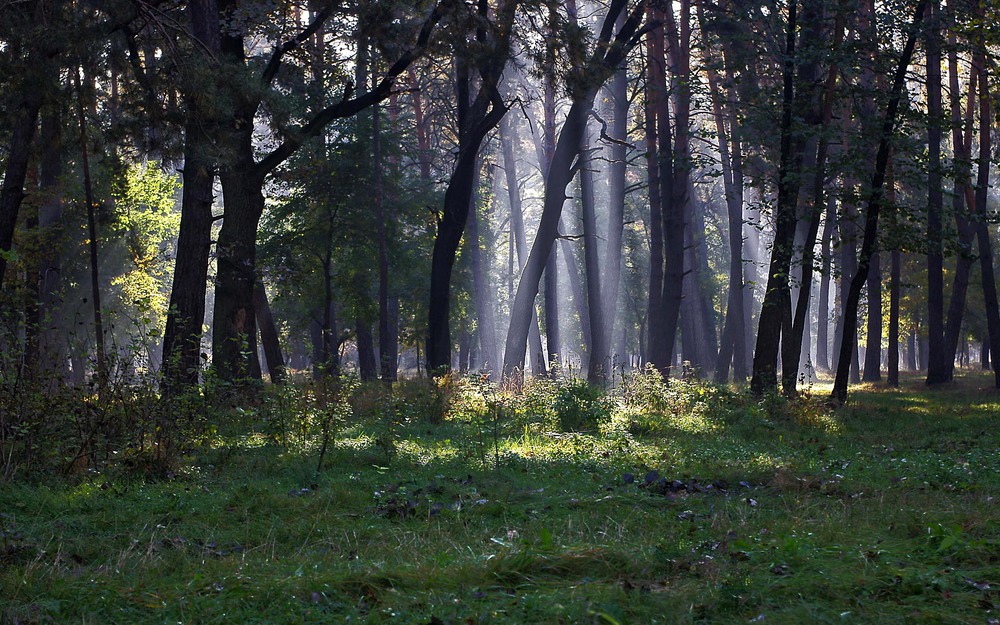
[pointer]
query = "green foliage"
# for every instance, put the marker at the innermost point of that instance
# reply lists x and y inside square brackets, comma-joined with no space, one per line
[881,512]
[579,406]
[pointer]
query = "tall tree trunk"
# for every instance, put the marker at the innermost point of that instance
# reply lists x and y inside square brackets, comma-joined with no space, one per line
[52,343]
[186,313]
[16,170]
[234,322]
[551,275]
[798,341]
[894,294]
[839,393]
[419,124]
[980,216]
[612,276]
[598,366]
[776,306]
[508,136]
[937,367]
[609,53]
[95,283]
[476,118]
[485,318]
[657,352]
[963,199]
[823,314]
[733,343]
[387,340]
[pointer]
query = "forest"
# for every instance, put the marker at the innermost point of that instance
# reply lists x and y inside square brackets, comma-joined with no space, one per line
[459,311]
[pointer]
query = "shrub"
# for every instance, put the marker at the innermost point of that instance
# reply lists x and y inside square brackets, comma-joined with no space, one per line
[579,406]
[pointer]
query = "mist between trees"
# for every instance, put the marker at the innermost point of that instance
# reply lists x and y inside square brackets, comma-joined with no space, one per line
[220,191]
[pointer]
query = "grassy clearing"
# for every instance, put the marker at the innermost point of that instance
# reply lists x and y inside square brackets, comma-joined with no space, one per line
[699,507]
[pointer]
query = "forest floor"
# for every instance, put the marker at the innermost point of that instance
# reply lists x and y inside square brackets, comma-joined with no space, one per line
[884,511]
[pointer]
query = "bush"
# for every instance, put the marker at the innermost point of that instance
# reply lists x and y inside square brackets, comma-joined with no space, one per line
[579,406]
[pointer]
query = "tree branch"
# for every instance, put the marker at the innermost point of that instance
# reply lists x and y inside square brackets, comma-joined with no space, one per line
[274,64]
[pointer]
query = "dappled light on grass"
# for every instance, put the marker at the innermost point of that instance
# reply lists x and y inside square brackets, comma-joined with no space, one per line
[650,504]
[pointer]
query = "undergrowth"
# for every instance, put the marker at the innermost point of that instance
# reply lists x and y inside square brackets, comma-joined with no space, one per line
[461,500]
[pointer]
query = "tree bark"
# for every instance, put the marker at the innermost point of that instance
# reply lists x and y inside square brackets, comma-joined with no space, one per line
[937,367]
[980,216]
[823,313]
[269,334]
[486,324]
[598,364]
[894,294]
[873,344]
[963,200]
[367,365]
[476,118]
[608,54]
[612,276]
[839,393]
[508,135]
[776,306]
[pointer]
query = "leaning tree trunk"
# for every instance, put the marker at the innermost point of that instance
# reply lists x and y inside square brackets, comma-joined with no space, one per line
[508,135]
[16,170]
[268,334]
[608,54]
[839,393]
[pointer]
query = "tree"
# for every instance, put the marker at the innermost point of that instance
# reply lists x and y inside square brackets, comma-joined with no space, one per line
[585,80]
[477,116]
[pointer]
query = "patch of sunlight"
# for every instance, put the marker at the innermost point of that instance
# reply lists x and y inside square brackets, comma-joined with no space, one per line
[694,423]
[822,420]
[424,453]
[356,443]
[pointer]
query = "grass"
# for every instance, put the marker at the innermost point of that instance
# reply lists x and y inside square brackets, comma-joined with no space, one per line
[882,512]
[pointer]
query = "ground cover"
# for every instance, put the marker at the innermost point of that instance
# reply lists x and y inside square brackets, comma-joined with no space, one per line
[466,505]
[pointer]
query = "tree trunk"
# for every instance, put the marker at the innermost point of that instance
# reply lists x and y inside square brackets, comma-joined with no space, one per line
[839,393]
[367,365]
[508,135]
[612,276]
[980,216]
[605,59]
[873,345]
[598,363]
[52,363]
[657,352]
[798,342]
[963,200]
[16,170]
[234,323]
[268,334]
[733,343]
[937,367]
[776,306]
[485,318]
[823,314]
[476,118]
[894,293]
